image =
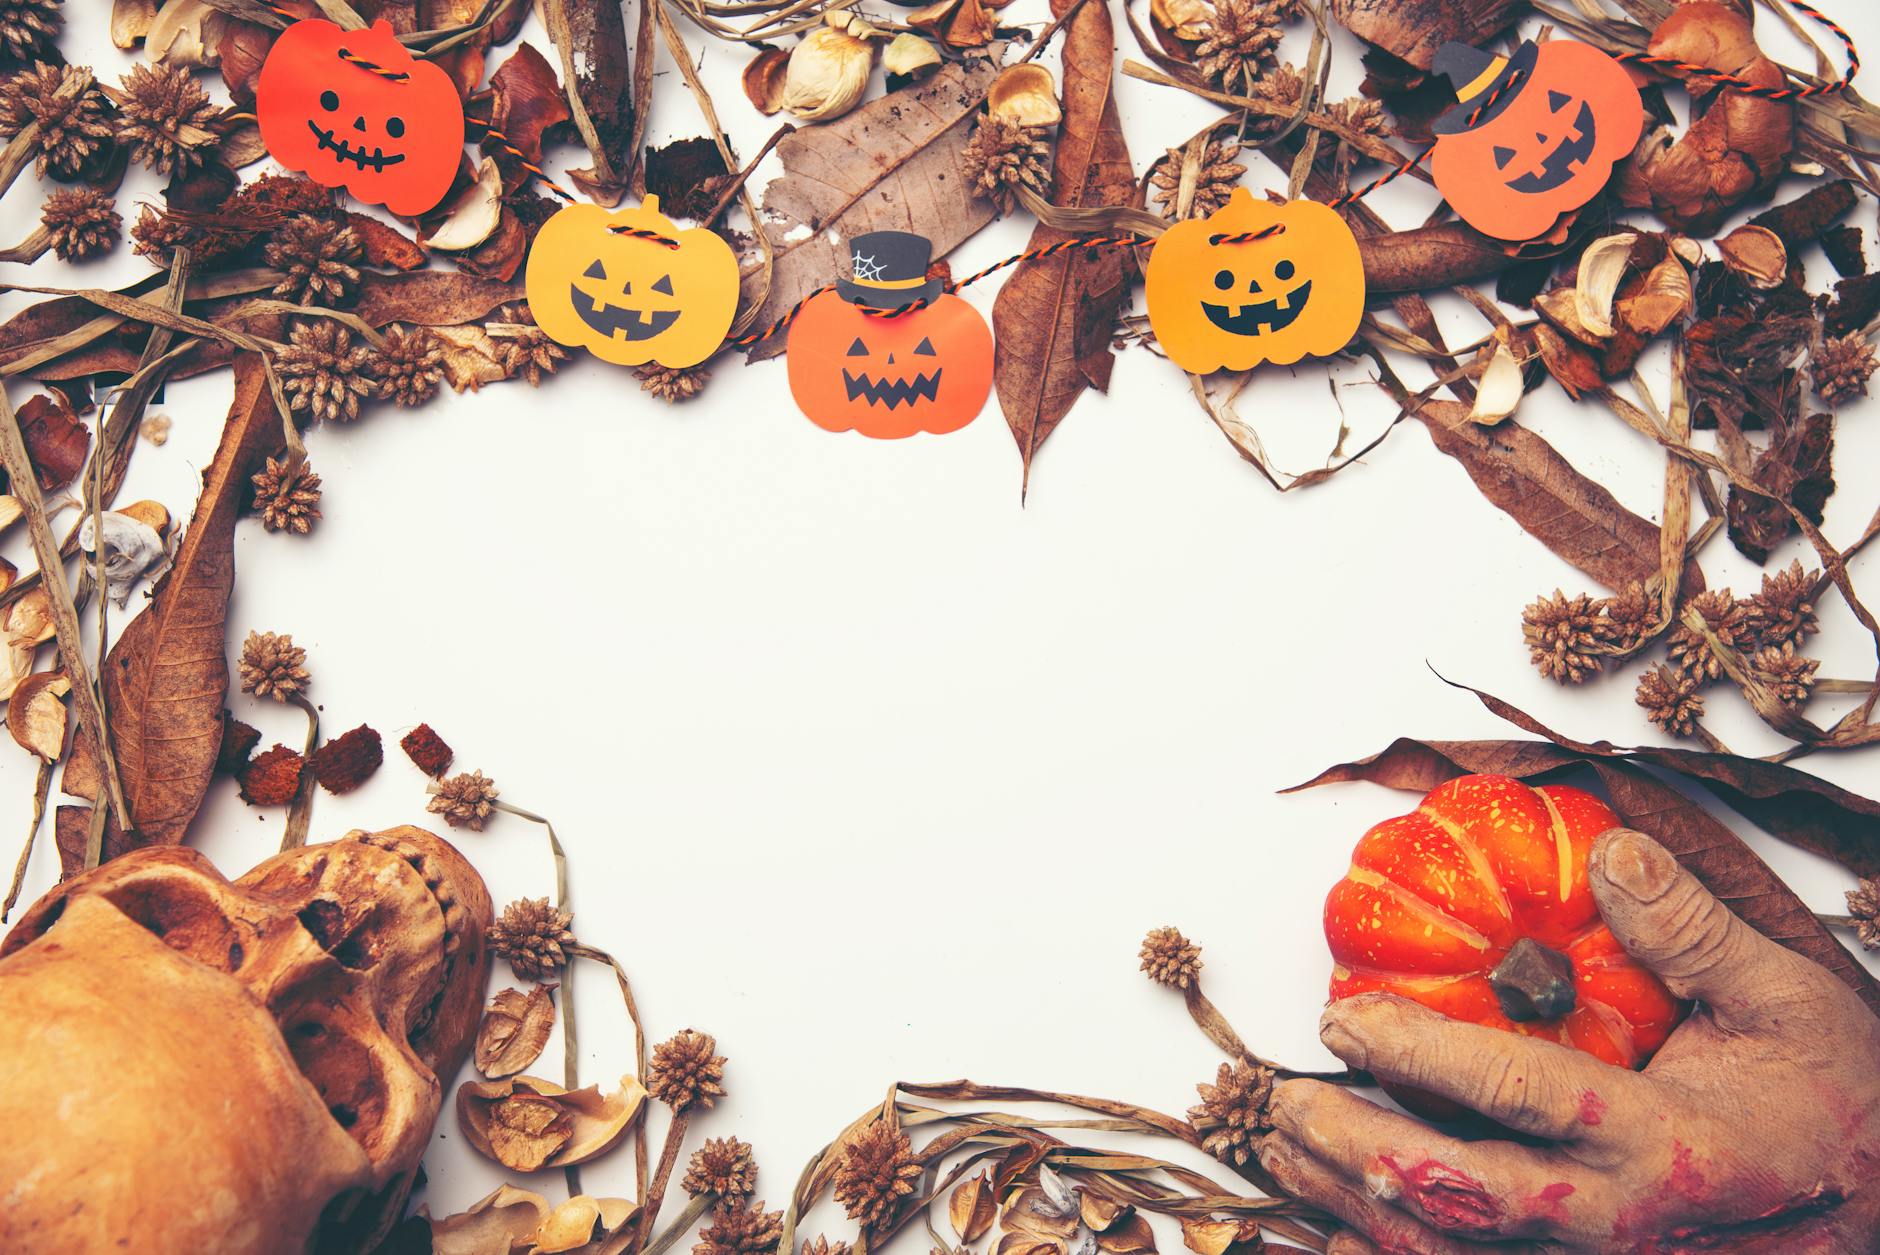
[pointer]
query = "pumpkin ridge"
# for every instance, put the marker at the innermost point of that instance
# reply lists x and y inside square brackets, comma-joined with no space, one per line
[1478,861]
[1616,1027]
[1563,844]
[1420,907]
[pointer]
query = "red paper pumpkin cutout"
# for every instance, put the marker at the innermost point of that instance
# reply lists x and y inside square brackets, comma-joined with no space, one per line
[391,138]
[1533,136]
[929,370]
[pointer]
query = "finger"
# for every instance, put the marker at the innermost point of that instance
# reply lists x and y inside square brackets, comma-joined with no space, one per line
[1485,1188]
[1669,922]
[1525,1083]
[1305,1178]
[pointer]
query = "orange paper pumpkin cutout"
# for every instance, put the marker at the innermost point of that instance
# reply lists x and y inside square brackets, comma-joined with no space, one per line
[1436,899]
[391,138]
[1532,136]
[1218,304]
[627,298]
[929,369]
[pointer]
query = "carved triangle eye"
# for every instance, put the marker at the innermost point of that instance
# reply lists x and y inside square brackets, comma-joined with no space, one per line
[925,348]
[1503,156]
[664,285]
[1558,100]
[858,349]
[595,271]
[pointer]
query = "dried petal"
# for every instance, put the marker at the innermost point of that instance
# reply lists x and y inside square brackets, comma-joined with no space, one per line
[525,1123]
[972,1208]
[36,714]
[515,1028]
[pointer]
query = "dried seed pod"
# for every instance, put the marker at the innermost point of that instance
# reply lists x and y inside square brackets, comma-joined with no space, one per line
[36,714]
[525,1123]
[1757,255]
[763,80]
[827,74]
[1024,95]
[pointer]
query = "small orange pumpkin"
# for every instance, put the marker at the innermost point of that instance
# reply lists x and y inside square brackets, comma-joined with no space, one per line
[1532,136]
[395,143]
[1230,306]
[1459,904]
[890,377]
[628,299]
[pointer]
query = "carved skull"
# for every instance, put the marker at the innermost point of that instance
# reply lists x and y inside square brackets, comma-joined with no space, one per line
[193,1065]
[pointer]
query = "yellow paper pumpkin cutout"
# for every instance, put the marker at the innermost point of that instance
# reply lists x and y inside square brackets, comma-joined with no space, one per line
[1215,304]
[626,298]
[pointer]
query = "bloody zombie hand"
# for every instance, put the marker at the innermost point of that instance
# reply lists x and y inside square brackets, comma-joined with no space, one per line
[1756,1127]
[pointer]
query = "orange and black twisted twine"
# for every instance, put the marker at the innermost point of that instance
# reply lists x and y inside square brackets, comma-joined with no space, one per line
[1730,82]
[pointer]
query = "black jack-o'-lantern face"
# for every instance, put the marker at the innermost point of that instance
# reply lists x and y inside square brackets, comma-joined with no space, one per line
[1564,140]
[929,370]
[613,309]
[1256,304]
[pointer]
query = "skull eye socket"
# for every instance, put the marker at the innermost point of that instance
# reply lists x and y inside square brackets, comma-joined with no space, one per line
[596,271]
[664,285]
[1503,156]
[329,101]
[925,348]
[858,349]
[395,127]
[1224,279]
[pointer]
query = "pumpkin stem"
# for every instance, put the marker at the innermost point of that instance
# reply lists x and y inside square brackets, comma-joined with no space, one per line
[1533,982]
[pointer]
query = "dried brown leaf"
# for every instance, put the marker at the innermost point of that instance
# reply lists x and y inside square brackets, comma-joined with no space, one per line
[1052,321]
[763,79]
[891,164]
[495,1224]
[1129,1236]
[1528,479]
[166,676]
[592,42]
[1412,30]
[431,298]
[55,440]
[514,1030]
[526,101]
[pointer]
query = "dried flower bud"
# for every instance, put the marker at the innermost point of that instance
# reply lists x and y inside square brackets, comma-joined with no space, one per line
[827,75]
[1171,959]
[271,665]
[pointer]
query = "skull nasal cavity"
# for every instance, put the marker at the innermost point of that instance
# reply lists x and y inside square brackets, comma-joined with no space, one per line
[325,919]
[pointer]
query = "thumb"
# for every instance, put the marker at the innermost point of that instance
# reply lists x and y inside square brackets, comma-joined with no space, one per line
[1700,949]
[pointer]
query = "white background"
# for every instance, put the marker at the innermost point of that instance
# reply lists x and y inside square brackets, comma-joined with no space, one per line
[868,769]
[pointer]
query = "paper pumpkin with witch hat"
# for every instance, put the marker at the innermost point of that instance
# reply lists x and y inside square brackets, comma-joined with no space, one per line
[353,109]
[855,364]
[630,287]
[1219,300]
[1532,136]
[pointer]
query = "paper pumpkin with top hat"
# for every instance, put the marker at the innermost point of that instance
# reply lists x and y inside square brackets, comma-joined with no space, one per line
[1255,282]
[890,353]
[354,109]
[1532,136]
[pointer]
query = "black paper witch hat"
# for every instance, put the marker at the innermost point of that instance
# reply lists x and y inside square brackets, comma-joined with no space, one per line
[1480,79]
[888,269]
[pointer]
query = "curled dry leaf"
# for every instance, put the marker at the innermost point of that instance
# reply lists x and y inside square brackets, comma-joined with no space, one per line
[28,626]
[132,548]
[956,23]
[584,1226]
[908,57]
[186,34]
[525,1123]
[1500,384]
[1217,1237]
[1130,1235]
[56,441]
[129,20]
[763,79]
[1664,297]
[474,216]
[470,357]
[11,512]
[36,714]
[1100,1214]
[1024,95]
[514,1030]
[1602,269]
[1184,20]
[1572,367]
[495,1224]
[1412,30]
[1757,255]
[1738,148]
[526,101]
[972,1208]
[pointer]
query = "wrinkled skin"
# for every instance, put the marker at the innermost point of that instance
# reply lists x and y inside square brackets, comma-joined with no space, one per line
[197,1065]
[1755,1128]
